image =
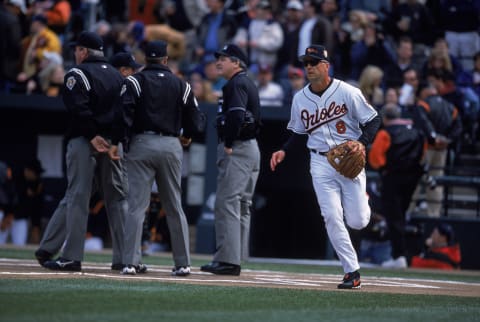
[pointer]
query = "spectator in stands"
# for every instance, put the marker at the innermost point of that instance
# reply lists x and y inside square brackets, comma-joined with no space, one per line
[341,53]
[162,31]
[296,82]
[391,96]
[439,59]
[370,50]
[442,127]
[202,88]
[316,29]
[19,9]
[396,153]
[10,44]
[441,250]
[270,92]
[40,40]
[287,55]
[57,12]
[411,19]
[408,90]
[374,10]
[49,80]
[460,21]
[404,60]
[261,38]
[370,84]
[211,75]
[355,25]
[441,46]
[447,88]
[216,29]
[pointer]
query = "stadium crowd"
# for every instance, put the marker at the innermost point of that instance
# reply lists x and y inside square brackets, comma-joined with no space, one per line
[390,49]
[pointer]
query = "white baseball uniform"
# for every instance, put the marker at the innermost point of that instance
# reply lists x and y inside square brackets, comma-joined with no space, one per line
[330,119]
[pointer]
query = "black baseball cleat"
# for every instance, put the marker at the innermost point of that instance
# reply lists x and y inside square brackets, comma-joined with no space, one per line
[350,280]
[42,256]
[117,266]
[63,264]
[221,268]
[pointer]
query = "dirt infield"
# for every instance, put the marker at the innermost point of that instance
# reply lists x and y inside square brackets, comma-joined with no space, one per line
[14,268]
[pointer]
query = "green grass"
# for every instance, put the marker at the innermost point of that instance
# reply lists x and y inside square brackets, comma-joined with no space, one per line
[99,300]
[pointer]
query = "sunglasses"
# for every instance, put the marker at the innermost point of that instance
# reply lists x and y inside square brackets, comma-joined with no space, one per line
[311,62]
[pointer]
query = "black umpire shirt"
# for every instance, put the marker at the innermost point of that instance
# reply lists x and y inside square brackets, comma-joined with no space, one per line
[156,100]
[239,96]
[91,89]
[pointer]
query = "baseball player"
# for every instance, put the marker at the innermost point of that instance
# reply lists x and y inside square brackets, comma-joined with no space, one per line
[331,112]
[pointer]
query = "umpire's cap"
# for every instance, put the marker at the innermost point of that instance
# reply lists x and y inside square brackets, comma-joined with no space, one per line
[316,52]
[90,40]
[124,60]
[156,49]
[233,51]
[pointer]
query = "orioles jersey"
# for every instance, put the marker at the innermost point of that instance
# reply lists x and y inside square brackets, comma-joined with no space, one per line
[332,117]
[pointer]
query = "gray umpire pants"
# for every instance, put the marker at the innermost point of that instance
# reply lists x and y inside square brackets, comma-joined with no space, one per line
[237,177]
[69,221]
[154,157]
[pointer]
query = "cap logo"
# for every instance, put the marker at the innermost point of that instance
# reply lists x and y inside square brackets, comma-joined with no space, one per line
[325,54]
[225,47]
[312,50]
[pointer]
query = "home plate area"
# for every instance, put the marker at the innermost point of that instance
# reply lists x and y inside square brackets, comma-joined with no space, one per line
[14,268]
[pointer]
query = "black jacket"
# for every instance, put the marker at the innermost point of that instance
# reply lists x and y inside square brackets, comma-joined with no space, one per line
[90,90]
[157,100]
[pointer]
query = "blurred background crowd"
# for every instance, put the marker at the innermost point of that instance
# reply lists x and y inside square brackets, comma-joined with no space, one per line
[391,49]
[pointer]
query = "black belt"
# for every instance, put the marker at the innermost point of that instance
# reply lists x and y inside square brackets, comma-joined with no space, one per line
[318,152]
[156,133]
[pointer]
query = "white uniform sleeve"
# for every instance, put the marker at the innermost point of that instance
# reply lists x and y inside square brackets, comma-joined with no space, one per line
[295,124]
[363,111]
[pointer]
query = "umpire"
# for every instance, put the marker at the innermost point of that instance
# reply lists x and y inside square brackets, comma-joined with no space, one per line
[90,91]
[158,105]
[238,160]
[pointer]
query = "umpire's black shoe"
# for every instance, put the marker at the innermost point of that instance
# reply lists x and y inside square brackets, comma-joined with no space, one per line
[42,256]
[63,264]
[350,280]
[117,266]
[221,268]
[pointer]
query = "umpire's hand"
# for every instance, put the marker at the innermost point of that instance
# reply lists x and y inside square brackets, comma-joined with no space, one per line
[100,144]
[113,153]
[277,157]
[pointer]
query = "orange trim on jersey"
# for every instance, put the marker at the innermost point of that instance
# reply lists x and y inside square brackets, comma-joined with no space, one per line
[424,105]
[377,157]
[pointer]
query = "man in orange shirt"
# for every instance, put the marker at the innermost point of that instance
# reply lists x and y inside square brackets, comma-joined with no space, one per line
[442,250]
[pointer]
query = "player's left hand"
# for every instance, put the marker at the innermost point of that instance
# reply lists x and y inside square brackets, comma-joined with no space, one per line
[228,150]
[100,144]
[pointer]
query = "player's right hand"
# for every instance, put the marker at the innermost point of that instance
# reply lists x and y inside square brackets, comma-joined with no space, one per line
[277,157]
[100,144]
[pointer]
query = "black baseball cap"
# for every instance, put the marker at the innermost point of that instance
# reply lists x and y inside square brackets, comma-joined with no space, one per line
[316,52]
[89,40]
[156,49]
[447,231]
[233,51]
[124,60]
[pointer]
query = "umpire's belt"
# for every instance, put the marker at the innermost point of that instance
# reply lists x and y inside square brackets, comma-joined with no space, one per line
[318,152]
[156,133]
